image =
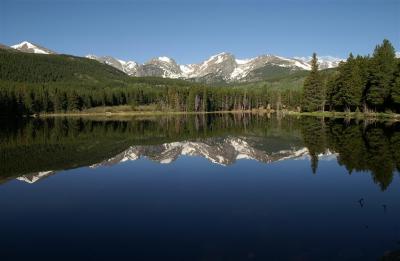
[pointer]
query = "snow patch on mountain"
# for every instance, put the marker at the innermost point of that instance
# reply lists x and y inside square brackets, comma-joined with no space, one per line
[187,69]
[91,56]
[218,58]
[165,59]
[324,62]
[243,61]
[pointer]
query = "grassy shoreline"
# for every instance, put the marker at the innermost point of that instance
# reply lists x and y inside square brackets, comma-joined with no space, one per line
[352,115]
[139,113]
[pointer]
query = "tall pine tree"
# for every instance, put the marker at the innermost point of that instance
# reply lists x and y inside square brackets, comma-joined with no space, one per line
[313,89]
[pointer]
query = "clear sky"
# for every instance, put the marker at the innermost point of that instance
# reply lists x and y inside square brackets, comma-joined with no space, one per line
[191,31]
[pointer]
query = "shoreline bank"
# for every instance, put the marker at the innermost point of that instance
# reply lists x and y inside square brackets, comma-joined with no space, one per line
[352,115]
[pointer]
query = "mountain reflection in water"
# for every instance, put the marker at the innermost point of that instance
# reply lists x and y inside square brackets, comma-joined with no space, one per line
[53,144]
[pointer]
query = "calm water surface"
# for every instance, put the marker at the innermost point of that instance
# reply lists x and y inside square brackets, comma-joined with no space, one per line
[199,187]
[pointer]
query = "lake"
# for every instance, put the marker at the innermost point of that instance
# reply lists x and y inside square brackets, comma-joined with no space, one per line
[199,187]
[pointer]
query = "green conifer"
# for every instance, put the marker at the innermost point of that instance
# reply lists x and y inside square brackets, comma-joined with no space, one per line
[313,89]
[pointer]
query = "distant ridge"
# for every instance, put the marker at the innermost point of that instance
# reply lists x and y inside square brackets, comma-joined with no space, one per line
[2,46]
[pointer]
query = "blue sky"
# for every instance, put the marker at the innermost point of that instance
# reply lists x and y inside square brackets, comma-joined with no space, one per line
[191,31]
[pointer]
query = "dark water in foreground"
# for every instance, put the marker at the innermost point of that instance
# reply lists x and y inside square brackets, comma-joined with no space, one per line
[230,187]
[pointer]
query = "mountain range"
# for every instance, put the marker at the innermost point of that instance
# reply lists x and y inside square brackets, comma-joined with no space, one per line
[223,67]
[222,151]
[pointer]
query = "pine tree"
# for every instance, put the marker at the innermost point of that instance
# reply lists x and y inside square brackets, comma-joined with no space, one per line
[381,75]
[313,89]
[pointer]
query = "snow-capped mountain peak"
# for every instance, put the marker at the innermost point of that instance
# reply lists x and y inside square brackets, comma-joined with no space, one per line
[24,43]
[218,58]
[162,67]
[28,47]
